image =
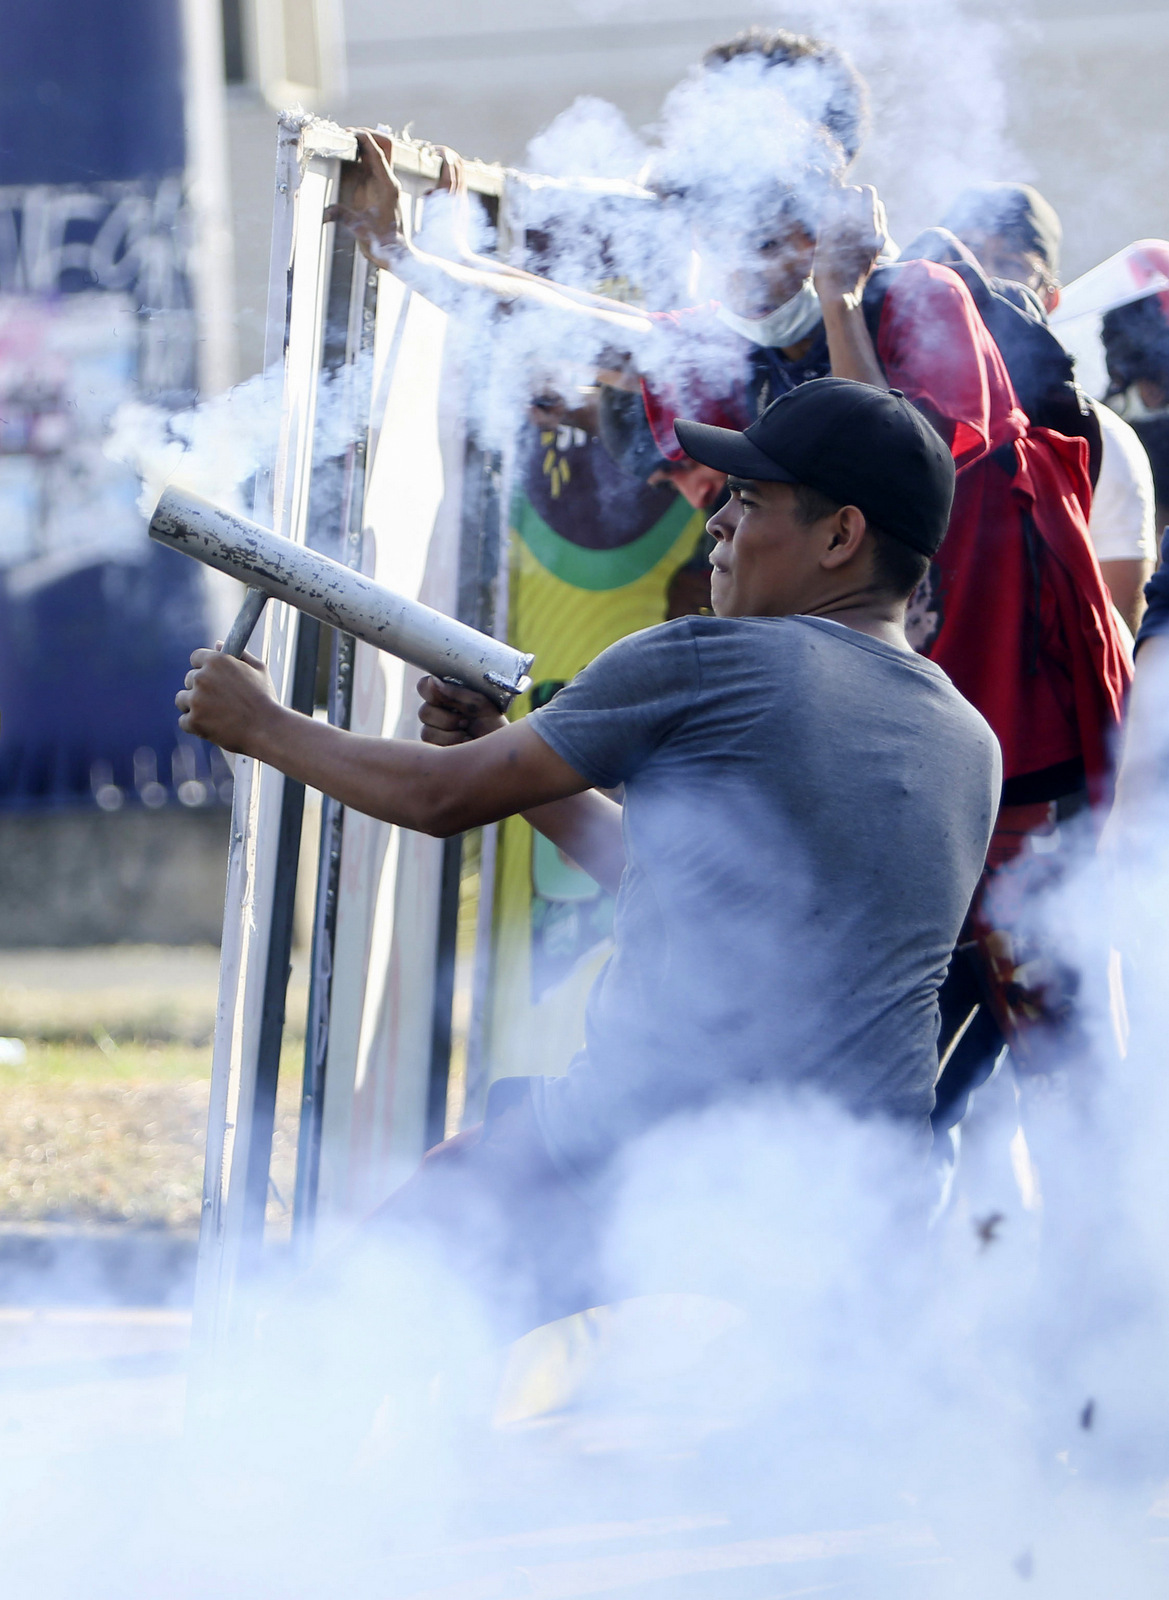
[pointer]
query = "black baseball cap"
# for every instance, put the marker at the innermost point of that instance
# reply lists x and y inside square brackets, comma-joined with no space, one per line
[859,445]
[1016,212]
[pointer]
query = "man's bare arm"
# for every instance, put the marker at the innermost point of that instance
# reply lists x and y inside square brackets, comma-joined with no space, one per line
[1126,581]
[849,242]
[586,826]
[417,786]
[370,207]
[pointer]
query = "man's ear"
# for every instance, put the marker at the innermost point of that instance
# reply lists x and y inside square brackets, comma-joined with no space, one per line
[1051,299]
[847,533]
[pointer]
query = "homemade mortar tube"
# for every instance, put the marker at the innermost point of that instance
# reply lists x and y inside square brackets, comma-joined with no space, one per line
[274,567]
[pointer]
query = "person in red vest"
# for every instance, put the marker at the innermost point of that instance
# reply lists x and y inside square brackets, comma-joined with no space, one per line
[1014,607]
[1014,235]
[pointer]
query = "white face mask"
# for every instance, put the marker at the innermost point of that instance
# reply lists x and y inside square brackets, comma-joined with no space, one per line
[785,326]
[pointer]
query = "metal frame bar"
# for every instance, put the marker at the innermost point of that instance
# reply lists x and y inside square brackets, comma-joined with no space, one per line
[481,546]
[267,811]
[495,599]
[322,502]
[361,311]
[278,968]
[442,1005]
[414,158]
[477,607]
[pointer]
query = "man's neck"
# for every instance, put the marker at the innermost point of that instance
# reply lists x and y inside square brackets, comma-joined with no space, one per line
[797,352]
[879,618]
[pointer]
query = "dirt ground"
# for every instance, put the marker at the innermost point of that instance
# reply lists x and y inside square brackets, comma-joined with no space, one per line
[104,1120]
[91,1137]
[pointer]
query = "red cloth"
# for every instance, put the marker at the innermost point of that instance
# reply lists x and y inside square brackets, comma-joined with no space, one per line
[701,371]
[1025,627]
[934,346]
[1022,623]
[931,342]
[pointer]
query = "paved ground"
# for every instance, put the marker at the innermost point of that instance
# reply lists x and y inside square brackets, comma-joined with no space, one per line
[81,1377]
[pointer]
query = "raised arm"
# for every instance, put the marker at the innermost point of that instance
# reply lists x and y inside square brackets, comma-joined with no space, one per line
[847,247]
[370,207]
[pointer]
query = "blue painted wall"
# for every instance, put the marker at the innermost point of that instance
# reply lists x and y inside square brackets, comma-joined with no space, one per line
[90,91]
[91,105]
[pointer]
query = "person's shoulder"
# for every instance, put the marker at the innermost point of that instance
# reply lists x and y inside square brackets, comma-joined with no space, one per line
[920,274]
[795,644]
[810,632]
[661,649]
[966,749]
[968,722]
[706,624]
[776,633]
[677,631]
[965,711]
[797,633]
[1113,425]
[962,740]
[907,670]
[910,285]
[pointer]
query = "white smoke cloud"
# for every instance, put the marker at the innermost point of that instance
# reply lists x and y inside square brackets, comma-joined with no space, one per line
[213,448]
[591,139]
[828,1397]
[216,448]
[939,112]
[938,90]
[989,1395]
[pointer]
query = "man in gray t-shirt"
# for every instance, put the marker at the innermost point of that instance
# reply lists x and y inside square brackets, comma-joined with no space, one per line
[806,812]
[806,807]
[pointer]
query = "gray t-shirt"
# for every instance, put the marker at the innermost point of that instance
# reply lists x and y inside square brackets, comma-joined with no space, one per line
[806,814]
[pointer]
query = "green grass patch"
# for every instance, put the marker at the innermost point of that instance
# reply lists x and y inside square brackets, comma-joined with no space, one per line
[108,1062]
[113,1133]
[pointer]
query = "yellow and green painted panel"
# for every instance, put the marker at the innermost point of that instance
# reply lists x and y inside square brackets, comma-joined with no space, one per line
[595,555]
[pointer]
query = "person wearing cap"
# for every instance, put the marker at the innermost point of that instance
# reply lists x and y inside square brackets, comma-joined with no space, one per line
[806,804]
[1013,231]
[1013,607]
[1015,235]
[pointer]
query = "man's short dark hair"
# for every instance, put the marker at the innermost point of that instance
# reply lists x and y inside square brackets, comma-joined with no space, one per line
[898,567]
[846,97]
[1136,344]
